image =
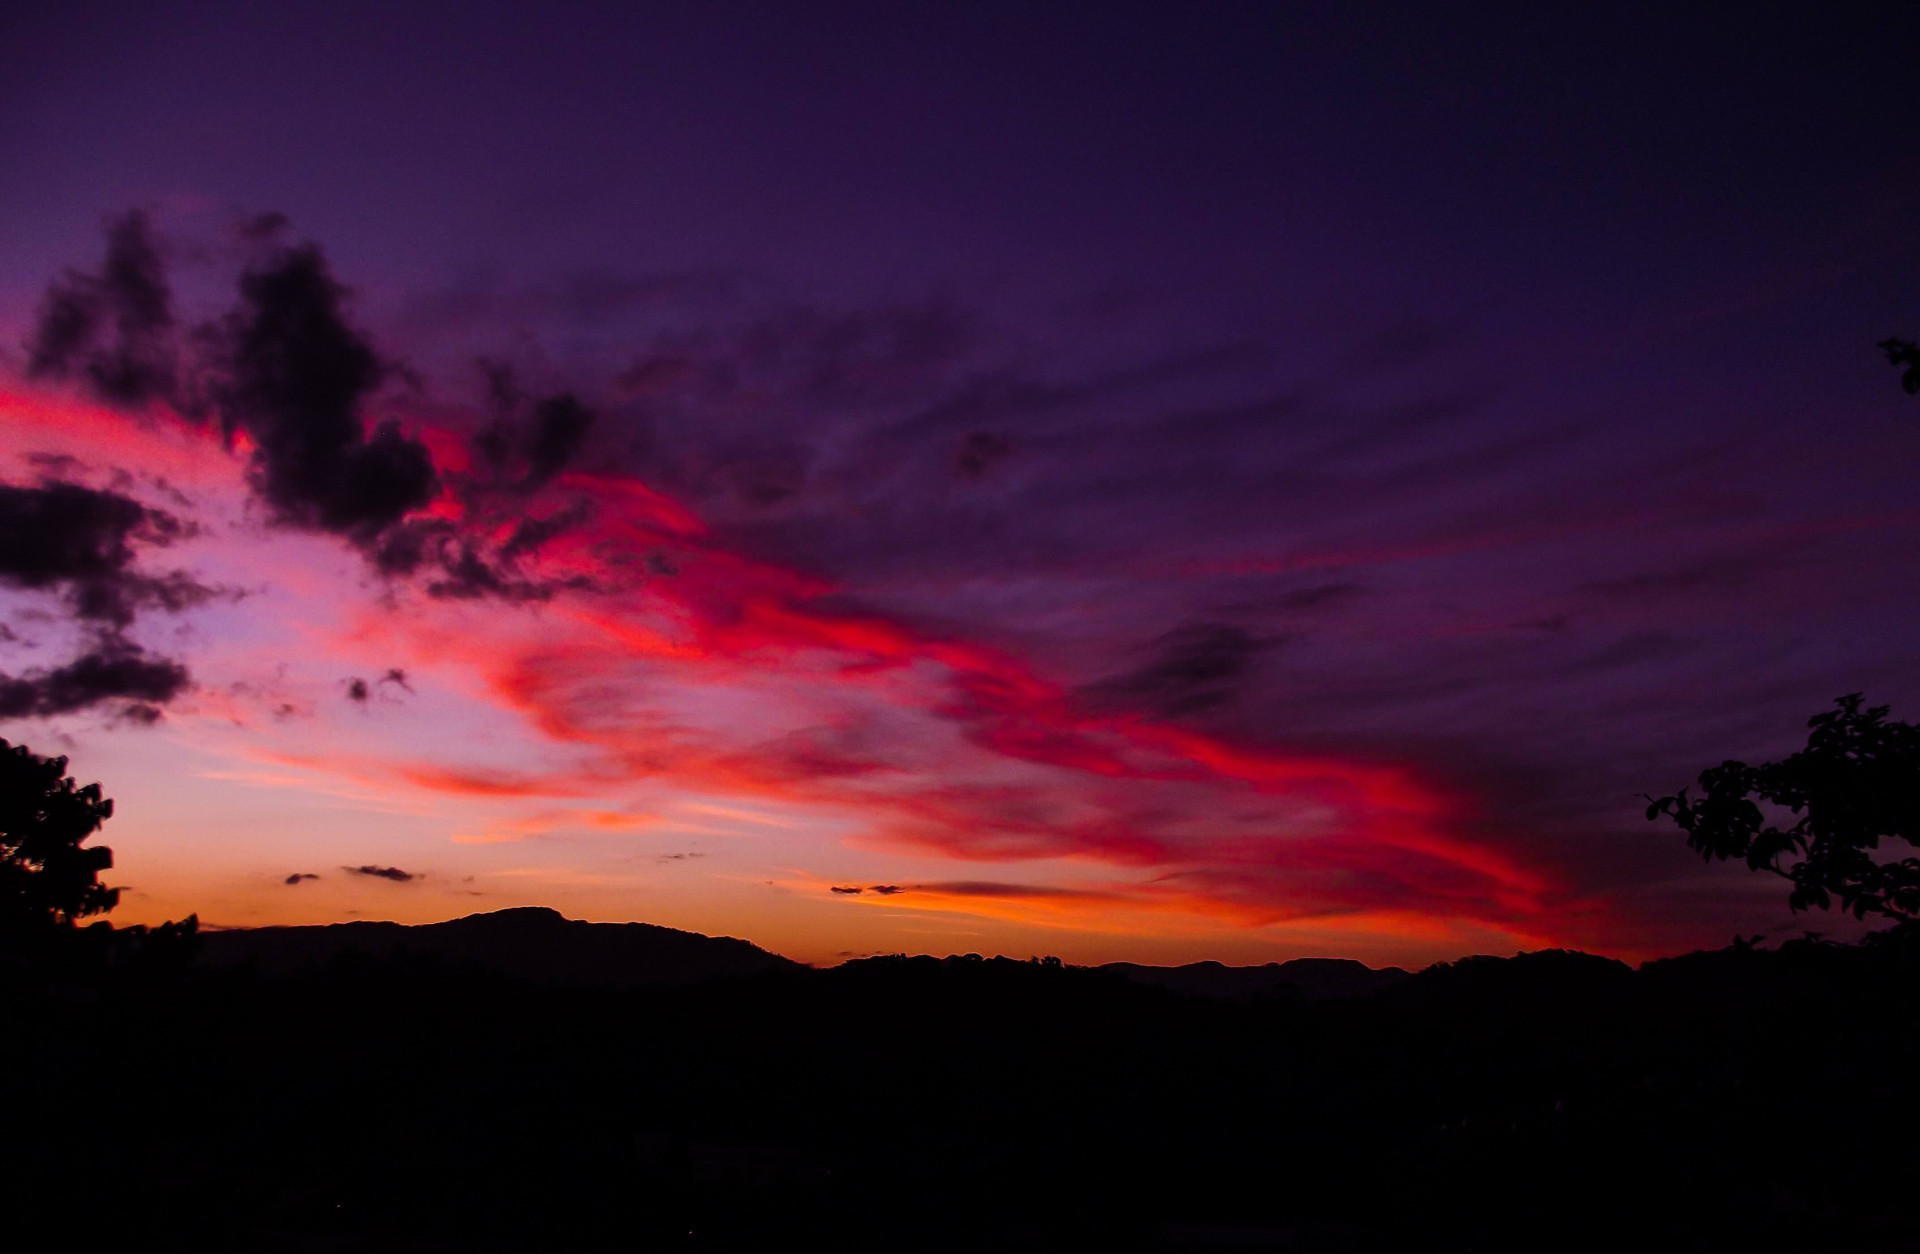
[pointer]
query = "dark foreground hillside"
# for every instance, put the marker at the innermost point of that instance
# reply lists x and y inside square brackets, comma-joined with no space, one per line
[1738,1100]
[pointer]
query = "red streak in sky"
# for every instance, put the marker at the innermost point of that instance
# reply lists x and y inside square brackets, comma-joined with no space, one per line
[724,617]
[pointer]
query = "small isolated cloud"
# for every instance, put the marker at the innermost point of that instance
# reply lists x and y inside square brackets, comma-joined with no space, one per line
[393,873]
[850,890]
[679,857]
[1011,892]
[360,691]
[298,876]
[141,712]
[886,890]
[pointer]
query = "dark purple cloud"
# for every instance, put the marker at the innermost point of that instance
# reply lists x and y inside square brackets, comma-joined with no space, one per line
[456,564]
[360,691]
[113,670]
[393,873]
[539,447]
[1191,669]
[287,369]
[84,543]
[296,377]
[114,328]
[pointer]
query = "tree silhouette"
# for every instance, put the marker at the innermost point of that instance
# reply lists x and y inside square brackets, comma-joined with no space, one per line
[1855,784]
[1904,354]
[47,880]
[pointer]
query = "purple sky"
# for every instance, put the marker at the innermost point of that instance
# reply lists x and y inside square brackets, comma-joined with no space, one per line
[1485,395]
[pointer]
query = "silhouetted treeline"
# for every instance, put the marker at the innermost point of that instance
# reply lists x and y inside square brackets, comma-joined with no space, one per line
[1743,1099]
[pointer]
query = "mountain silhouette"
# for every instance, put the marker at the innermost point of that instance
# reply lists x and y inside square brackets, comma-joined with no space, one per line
[532,943]
[1316,979]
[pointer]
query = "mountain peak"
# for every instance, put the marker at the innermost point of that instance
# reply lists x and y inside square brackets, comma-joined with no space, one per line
[533,943]
[538,916]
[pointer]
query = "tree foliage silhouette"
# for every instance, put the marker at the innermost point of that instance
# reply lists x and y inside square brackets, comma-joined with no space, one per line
[1856,784]
[1905,356]
[47,878]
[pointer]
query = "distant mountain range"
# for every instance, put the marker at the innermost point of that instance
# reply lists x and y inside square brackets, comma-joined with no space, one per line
[543,946]
[532,943]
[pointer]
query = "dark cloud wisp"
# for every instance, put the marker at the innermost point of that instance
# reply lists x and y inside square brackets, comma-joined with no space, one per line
[113,329]
[543,445]
[393,873]
[360,691]
[115,669]
[1194,668]
[81,542]
[459,567]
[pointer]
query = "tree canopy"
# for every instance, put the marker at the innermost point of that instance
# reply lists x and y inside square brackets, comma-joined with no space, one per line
[1904,355]
[49,877]
[1818,817]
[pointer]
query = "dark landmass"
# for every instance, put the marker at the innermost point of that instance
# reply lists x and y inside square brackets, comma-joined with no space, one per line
[1316,979]
[530,943]
[543,946]
[397,1097]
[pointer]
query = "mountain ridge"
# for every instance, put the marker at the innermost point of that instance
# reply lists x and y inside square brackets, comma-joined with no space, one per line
[535,943]
[539,944]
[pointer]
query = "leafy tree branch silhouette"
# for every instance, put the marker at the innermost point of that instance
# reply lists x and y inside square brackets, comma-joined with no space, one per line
[1856,784]
[49,876]
[1904,355]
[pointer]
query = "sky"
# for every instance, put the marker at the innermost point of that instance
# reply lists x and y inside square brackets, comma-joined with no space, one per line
[1145,482]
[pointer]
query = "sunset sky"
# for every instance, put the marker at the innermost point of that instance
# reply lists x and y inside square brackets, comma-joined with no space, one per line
[1148,482]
